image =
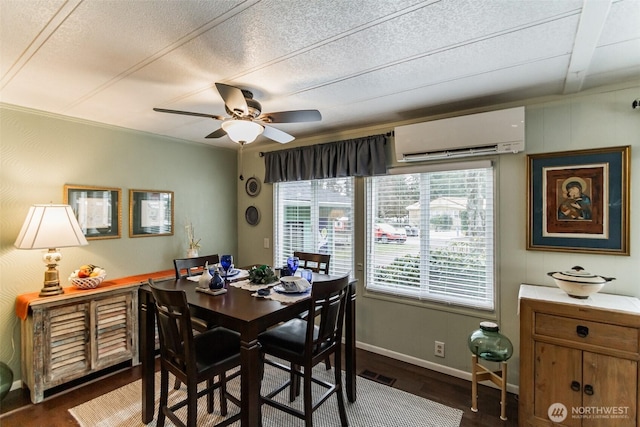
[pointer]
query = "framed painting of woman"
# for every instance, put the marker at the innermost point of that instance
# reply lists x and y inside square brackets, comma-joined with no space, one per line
[578,201]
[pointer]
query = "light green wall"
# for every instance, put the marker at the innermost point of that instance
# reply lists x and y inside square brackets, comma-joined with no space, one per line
[40,153]
[407,330]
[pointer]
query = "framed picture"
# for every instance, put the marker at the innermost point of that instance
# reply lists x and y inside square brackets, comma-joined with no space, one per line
[97,209]
[150,213]
[578,201]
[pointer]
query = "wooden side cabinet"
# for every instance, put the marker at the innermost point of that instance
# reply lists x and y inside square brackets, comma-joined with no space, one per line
[70,336]
[578,359]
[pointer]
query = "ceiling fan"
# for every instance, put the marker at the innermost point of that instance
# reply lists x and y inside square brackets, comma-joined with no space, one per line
[247,120]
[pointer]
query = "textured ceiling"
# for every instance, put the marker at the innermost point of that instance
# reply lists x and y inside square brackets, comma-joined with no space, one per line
[359,62]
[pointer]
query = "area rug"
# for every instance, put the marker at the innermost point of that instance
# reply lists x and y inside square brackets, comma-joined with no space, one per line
[376,405]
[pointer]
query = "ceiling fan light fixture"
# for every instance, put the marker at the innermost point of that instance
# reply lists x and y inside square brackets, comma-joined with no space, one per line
[242,131]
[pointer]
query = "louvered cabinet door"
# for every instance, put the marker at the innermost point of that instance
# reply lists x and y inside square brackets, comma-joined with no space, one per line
[112,322]
[67,344]
[64,338]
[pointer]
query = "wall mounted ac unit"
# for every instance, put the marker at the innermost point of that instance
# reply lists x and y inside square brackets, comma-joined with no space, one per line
[496,132]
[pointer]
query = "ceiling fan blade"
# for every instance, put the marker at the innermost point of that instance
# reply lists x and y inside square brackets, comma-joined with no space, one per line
[217,134]
[296,116]
[188,113]
[233,99]
[277,135]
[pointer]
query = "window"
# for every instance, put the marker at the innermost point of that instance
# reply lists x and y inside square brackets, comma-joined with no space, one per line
[315,216]
[430,234]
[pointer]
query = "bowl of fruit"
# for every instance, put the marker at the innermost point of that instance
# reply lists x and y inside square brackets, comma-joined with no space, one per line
[88,276]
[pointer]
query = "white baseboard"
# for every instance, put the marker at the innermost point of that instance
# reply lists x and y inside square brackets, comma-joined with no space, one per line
[511,388]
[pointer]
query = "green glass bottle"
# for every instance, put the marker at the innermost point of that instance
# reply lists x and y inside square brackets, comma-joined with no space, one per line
[489,344]
[6,379]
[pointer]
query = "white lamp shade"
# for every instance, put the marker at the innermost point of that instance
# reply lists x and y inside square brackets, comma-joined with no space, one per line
[244,131]
[50,226]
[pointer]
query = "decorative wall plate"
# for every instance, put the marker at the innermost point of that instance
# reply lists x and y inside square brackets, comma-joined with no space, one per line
[252,215]
[252,186]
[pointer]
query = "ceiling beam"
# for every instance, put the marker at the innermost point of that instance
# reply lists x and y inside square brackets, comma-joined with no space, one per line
[592,19]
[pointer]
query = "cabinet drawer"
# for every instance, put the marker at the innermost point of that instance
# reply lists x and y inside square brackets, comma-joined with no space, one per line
[594,333]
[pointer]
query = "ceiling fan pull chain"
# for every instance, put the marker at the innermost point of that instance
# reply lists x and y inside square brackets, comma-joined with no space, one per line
[241,168]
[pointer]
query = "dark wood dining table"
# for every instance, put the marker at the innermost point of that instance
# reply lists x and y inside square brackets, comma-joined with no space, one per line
[248,315]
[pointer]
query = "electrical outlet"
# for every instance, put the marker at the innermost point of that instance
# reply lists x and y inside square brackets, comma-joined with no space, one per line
[439,349]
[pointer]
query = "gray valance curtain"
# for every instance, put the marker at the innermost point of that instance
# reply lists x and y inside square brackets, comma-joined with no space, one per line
[352,157]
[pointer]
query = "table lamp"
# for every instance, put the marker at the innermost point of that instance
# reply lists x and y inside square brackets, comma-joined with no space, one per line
[50,227]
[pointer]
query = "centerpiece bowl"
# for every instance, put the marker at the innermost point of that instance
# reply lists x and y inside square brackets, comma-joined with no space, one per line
[88,282]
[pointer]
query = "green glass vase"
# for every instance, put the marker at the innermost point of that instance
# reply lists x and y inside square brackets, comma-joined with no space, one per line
[6,379]
[489,344]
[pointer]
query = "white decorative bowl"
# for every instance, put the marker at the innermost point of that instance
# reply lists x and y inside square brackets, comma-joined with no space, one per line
[578,283]
[88,282]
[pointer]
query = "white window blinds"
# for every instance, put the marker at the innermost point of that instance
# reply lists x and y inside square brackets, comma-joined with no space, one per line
[315,216]
[447,255]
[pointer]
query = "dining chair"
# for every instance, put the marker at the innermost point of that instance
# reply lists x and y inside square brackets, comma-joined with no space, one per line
[318,263]
[192,359]
[304,343]
[184,266]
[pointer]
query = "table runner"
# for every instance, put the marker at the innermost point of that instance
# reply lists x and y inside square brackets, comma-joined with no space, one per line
[283,298]
[25,300]
[253,287]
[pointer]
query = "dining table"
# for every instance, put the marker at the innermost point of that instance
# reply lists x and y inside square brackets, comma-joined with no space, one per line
[239,310]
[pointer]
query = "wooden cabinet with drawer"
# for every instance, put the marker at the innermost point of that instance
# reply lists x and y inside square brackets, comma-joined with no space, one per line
[578,359]
[69,336]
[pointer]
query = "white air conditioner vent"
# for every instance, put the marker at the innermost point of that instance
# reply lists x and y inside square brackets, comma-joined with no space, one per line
[494,132]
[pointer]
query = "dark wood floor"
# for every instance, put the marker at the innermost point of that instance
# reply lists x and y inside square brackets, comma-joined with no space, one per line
[17,410]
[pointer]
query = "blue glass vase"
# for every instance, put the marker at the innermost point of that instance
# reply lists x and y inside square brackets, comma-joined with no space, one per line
[217,282]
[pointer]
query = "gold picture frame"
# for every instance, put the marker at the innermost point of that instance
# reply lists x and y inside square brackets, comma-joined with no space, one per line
[578,201]
[150,213]
[97,209]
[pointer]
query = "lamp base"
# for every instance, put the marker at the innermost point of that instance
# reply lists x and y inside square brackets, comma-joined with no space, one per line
[51,290]
[51,277]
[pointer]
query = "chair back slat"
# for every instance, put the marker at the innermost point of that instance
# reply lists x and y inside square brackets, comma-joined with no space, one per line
[328,301]
[318,263]
[183,266]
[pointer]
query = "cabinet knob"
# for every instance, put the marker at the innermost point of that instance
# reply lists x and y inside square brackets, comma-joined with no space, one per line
[588,389]
[582,331]
[575,386]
